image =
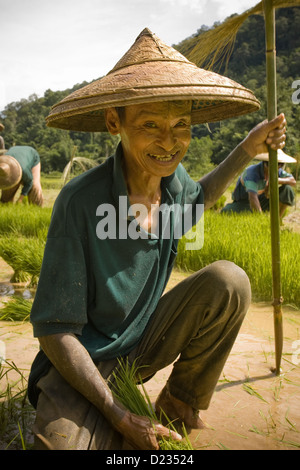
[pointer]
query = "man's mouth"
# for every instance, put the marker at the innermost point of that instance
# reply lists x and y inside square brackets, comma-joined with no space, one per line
[163,158]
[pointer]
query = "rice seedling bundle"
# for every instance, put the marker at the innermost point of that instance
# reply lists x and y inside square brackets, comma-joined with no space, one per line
[245,240]
[125,389]
[16,309]
[24,255]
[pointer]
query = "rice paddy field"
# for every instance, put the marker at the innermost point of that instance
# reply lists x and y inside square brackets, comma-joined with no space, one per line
[251,409]
[245,239]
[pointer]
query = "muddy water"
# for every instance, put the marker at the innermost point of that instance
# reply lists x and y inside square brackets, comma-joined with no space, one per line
[8,290]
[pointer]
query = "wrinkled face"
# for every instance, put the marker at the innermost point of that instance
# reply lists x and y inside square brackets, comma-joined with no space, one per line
[155,136]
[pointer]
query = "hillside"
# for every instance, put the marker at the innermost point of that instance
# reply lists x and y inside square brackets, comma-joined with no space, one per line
[25,120]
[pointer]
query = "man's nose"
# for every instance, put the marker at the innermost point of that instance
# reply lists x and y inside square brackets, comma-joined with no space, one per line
[167,140]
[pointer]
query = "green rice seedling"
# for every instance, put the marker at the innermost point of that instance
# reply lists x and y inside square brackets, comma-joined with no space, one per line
[253,392]
[125,389]
[22,220]
[257,431]
[245,239]
[277,390]
[288,442]
[24,255]
[16,309]
[292,425]
[16,414]
[222,446]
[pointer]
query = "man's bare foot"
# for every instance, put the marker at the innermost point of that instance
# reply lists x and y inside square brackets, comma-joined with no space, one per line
[177,411]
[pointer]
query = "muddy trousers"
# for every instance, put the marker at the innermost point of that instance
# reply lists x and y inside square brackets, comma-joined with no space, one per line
[194,327]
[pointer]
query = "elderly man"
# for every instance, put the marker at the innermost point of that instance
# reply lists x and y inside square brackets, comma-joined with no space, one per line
[108,256]
[21,166]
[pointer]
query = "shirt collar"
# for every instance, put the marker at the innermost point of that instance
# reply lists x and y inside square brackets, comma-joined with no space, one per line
[119,185]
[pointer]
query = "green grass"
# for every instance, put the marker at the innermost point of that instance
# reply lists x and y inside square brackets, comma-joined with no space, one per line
[52,181]
[16,309]
[16,413]
[24,220]
[23,232]
[245,240]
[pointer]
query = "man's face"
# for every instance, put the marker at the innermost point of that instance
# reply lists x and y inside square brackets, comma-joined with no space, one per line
[156,136]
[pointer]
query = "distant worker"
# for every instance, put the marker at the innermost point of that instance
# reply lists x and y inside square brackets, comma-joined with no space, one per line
[21,166]
[252,189]
[2,146]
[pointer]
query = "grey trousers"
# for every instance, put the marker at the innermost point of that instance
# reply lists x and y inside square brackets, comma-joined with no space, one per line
[194,327]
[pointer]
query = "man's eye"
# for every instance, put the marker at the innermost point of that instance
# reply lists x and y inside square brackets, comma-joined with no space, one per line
[150,125]
[182,124]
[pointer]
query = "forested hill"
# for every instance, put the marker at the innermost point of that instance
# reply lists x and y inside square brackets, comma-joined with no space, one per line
[25,120]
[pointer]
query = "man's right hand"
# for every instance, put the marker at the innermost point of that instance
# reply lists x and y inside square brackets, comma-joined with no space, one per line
[143,434]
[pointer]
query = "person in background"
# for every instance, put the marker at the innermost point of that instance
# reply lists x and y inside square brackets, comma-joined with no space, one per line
[21,166]
[252,189]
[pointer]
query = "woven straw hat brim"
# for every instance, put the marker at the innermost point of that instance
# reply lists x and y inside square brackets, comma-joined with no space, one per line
[151,72]
[1,127]
[10,172]
[282,157]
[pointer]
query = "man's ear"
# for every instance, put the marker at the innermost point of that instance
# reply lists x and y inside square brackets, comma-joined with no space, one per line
[112,121]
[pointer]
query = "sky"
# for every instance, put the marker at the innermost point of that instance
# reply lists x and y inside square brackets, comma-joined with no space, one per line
[58,43]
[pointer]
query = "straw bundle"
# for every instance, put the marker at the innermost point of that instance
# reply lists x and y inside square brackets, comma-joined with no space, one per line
[216,45]
[82,162]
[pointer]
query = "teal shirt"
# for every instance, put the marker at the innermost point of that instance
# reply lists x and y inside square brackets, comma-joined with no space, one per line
[27,157]
[104,291]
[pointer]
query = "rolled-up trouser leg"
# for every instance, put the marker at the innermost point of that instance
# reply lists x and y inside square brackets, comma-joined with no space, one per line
[198,320]
[65,420]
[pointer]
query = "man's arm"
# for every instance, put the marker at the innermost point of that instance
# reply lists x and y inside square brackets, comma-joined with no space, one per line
[254,202]
[74,363]
[288,180]
[266,133]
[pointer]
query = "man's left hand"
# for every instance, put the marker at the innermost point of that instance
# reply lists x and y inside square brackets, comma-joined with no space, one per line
[266,134]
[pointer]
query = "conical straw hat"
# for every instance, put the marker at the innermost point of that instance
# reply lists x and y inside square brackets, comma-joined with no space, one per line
[281,157]
[151,71]
[10,172]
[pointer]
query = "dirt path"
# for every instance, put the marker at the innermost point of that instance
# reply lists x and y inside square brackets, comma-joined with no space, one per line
[251,407]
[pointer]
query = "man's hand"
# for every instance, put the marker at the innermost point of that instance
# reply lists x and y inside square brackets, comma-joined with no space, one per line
[266,134]
[142,434]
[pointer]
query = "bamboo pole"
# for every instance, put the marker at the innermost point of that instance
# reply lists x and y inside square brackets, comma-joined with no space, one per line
[270,30]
